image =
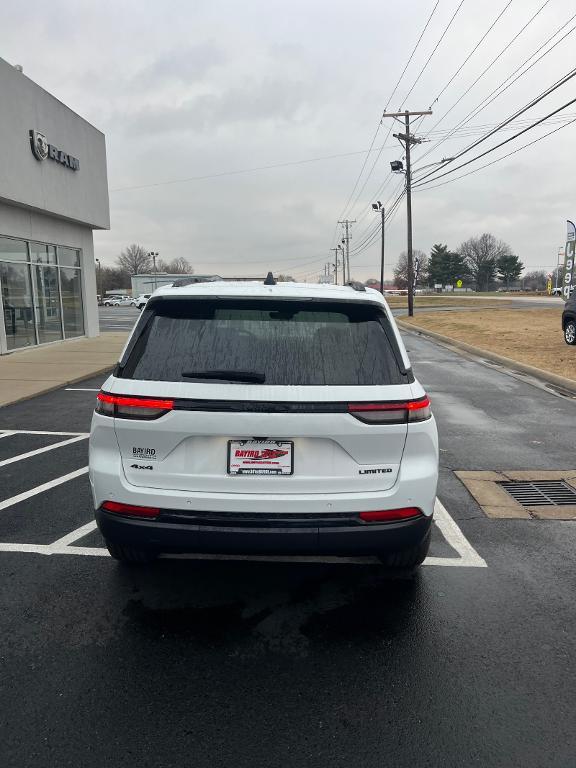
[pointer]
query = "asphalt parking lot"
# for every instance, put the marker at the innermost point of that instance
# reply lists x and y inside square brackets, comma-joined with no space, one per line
[117,318]
[218,662]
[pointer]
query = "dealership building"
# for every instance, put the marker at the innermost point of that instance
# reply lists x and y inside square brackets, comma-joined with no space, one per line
[53,194]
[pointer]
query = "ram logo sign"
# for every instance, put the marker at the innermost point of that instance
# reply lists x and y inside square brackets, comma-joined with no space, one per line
[43,150]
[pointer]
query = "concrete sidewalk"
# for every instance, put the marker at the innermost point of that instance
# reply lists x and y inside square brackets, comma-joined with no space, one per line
[33,371]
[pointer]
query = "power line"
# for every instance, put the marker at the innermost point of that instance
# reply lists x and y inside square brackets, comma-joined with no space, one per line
[434,51]
[502,87]
[304,161]
[562,81]
[424,68]
[387,204]
[390,213]
[502,143]
[493,162]
[347,206]
[478,44]
[248,170]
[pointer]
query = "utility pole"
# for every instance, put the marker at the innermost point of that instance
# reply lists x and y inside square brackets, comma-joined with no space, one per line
[407,140]
[346,239]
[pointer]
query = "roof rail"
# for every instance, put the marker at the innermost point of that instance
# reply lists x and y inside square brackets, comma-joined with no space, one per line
[356,285]
[183,281]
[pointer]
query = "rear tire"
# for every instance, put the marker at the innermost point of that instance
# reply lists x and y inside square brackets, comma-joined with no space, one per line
[570,332]
[130,555]
[408,558]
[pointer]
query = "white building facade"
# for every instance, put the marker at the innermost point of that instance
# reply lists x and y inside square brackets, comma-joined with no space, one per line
[53,194]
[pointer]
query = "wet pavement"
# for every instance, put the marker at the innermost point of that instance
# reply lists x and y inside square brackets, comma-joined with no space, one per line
[255,663]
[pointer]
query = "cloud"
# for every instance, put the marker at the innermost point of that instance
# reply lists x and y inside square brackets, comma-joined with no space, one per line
[268,101]
[185,65]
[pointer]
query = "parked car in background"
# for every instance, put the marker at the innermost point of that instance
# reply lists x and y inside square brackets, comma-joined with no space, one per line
[140,301]
[117,301]
[265,418]
[569,320]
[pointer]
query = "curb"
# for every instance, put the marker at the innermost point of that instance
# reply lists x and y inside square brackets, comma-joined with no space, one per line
[543,376]
[59,385]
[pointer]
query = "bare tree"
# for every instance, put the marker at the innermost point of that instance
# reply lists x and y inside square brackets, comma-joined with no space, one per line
[181,266]
[482,255]
[401,269]
[535,280]
[178,266]
[134,260]
[112,278]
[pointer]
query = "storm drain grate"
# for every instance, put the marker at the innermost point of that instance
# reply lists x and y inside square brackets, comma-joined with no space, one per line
[541,493]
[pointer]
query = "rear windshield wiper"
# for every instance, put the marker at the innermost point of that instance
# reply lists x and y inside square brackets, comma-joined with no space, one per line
[250,376]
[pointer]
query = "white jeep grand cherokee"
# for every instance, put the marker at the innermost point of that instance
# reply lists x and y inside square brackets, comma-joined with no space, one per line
[264,418]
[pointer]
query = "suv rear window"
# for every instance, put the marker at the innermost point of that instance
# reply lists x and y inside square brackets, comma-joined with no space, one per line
[289,342]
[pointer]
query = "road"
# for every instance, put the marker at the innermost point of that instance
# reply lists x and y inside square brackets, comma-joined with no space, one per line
[253,663]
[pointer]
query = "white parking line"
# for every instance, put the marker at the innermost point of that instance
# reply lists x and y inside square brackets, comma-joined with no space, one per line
[41,488]
[80,389]
[38,451]
[469,558]
[40,432]
[7,434]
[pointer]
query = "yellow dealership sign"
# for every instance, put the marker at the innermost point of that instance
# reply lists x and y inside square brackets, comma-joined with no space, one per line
[458,283]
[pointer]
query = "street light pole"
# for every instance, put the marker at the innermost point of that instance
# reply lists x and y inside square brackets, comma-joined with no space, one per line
[336,254]
[379,207]
[382,252]
[99,278]
[154,254]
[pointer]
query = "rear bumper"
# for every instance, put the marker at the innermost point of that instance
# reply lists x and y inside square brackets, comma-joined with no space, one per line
[240,535]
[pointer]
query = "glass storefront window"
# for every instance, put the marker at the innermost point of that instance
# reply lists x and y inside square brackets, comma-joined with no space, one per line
[17,301]
[42,254]
[13,250]
[68,257]
[41,290]
[70,285]
[48,314]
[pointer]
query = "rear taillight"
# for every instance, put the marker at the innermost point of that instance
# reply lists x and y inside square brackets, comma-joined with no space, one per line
[133,510]
[392,413]
[389,515]
[125,407]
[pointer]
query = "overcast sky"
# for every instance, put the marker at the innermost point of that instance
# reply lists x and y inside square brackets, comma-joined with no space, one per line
[192,88]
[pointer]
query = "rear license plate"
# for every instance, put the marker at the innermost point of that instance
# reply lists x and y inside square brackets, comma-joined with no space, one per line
[260,457]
